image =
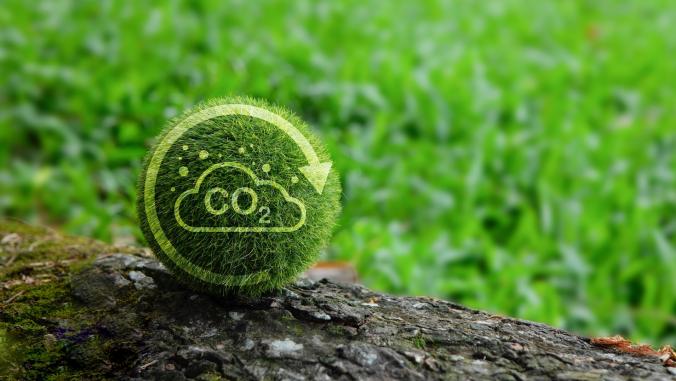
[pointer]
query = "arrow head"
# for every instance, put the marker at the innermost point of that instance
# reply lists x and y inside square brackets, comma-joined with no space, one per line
[317,174]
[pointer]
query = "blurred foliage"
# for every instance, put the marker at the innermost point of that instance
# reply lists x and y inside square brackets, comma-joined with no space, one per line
[516,156]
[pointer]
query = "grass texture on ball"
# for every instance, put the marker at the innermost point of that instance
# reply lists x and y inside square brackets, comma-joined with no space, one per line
[225,190]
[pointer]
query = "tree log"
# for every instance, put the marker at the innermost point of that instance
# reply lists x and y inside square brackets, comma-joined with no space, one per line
[77,308]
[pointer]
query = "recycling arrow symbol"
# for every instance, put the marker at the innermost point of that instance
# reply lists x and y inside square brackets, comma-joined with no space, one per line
[316,172]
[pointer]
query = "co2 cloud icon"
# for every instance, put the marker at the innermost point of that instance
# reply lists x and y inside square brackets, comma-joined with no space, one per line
[264,209]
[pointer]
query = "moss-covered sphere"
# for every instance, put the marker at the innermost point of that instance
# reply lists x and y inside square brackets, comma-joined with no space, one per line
[237,196]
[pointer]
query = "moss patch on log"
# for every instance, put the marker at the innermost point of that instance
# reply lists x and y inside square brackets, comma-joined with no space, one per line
[42,326]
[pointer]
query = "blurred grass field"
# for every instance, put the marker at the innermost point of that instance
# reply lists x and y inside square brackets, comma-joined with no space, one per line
[515,156]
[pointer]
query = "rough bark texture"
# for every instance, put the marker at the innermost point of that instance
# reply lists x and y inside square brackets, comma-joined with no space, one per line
[123,316]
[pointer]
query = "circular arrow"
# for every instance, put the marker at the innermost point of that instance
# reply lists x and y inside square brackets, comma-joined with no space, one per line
[316,172]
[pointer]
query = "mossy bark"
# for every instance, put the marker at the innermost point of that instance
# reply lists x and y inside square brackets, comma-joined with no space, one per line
[72,308]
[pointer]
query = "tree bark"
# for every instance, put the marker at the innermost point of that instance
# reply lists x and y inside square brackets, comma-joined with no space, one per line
[123,316]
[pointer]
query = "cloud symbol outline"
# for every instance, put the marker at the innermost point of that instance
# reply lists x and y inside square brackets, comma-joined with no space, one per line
[239,229]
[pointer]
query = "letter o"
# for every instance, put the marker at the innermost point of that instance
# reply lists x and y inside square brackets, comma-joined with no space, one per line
[235,200]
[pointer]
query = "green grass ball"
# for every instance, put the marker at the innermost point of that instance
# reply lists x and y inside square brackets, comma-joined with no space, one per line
[232,197]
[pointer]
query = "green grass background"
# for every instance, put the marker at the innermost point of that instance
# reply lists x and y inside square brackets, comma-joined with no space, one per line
[516,156]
